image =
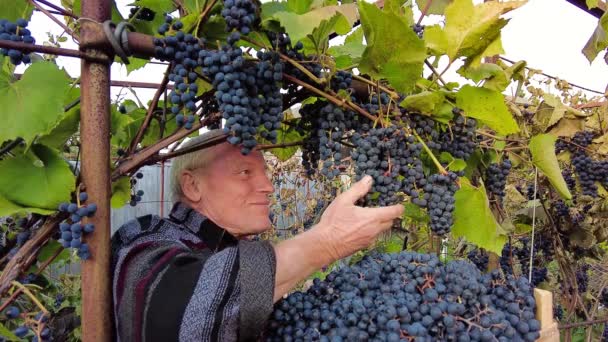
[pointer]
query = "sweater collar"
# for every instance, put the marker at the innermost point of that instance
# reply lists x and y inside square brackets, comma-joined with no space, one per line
[214,236]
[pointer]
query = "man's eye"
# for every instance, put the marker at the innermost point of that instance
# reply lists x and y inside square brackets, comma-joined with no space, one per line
[245,172]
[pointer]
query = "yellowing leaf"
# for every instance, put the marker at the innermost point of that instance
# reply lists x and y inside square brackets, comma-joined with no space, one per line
[394,52]
[471,30]
[425,102]
[542,148]
[432,6]
[598,40]
[436,40]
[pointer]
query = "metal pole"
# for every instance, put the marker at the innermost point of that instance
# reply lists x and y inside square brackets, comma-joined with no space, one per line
[95,142]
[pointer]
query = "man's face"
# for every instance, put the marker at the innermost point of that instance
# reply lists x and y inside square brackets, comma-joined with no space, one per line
[235,191]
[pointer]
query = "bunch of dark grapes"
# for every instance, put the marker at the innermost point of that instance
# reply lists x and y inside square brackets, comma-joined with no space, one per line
[392,159]
[506,258]
[240,15]
[589,171]
[558,312]
[460,138]
[530,192]
[419,30]
[72,229]
[13,312]
[140,13]
[582,139]
[561,209]
[582,278]
[408,296]
[496,177]
[282,43]
[184,50]
[341,80]
[426,128]
[440,204]
[136,197]
[570,182]
[269,73]
[16,32]
[479,258]
[329,125]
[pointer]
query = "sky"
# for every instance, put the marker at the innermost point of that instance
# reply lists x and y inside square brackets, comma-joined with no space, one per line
[548,34]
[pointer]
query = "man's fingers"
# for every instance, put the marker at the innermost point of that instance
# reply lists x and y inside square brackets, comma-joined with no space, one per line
[358,190]
[386,213]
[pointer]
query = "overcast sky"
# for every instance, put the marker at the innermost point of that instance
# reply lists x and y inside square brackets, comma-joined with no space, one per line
[548,34]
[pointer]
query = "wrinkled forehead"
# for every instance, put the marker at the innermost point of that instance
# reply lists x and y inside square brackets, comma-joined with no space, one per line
[226,153]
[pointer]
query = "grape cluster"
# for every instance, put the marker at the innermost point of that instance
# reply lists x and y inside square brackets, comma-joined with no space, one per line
[239,15]
[408,296]
[16,32]
[392,159]
[136,196]
[561,209]
[543,253]
[582,278]
[426,128]
[570,182]
[13,312]
[142,13]
[460,139]
[440,205]
[479,258]
[341,80]
[496,177]
[72,230]
[589,171]
[185,50]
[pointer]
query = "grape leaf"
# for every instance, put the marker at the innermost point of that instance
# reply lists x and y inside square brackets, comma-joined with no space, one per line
[415,213]
[49,249]
[270,8]
[135,64]
[425,102]
[488,106]
[352,48]
[299,26]
[435,6]
[319,38]
[598,40]
[474,31]
[542,148]
[12,10]
[158,6]
[33,105]
[394,52]
[39,179]
[436,40]
[195,6]
[4,332]
[299,6]
[121,192]
[474,220]
[68,124]
[592,3]
[399,8]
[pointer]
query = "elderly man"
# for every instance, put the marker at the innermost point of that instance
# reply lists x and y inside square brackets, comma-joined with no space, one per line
[192,276]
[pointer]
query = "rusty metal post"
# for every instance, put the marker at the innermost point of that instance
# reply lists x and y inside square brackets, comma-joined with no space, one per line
[95,147]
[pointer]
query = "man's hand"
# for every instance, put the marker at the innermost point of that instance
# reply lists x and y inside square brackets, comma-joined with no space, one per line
[347,228]
[344,228]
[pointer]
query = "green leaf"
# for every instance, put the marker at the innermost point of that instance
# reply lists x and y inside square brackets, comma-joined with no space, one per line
[298,26]
[598,40]
[33,105]
[436,6]
[195,6]
[474,220]
[158,6]
[4,332]
[415,213]
[542,148]
[49,250]
[425,102]
[320,35]
[457,165]
[270,8]
[353,47]
[39,179]
[299,6]
[474,31]
[286,134]
[136,64]
[394,52]
[121,192]
[12,10]
[401,8]
[68,125]
[592,3]
[436,40]
[488,106]
[481,72]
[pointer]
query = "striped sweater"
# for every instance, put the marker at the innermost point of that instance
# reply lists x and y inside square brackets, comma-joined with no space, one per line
[183,278]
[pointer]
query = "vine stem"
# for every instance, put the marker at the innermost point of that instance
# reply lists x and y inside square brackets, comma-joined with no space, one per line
[31,295]
[7,44]
[434,71]
[62,11]
[151,108]
[440,167]
[57,21]
[271,146]
[205,13]
[426,9]
[392,94]
[330,97]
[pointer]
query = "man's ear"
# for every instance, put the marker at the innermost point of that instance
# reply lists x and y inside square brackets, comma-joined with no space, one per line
[191,187]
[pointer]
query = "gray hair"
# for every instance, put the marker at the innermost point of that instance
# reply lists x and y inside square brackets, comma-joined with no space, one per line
[189,161]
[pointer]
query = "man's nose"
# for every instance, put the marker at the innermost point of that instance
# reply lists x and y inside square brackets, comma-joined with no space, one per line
[265,185]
